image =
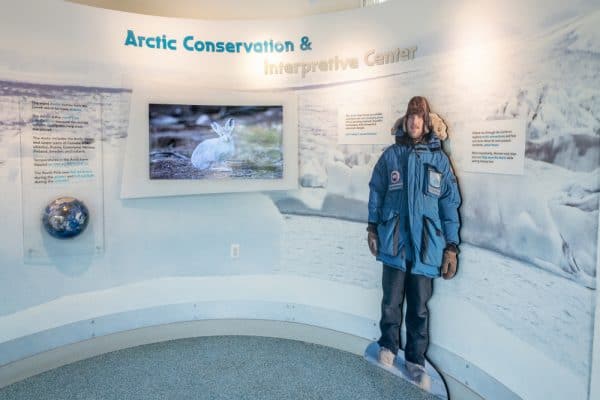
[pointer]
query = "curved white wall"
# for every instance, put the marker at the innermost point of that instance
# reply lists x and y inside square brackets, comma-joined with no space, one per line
[517,312]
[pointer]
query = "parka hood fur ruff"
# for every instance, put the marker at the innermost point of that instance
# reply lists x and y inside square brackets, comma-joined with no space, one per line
[438,126]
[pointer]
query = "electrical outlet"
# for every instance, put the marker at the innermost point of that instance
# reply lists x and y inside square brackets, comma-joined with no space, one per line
[235,250]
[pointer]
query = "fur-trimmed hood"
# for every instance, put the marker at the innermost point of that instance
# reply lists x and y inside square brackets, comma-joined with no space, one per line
[438,127]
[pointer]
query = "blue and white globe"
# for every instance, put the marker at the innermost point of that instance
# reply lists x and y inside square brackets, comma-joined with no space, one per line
[65,217]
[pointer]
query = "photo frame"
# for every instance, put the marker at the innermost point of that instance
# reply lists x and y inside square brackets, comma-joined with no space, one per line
[185,141]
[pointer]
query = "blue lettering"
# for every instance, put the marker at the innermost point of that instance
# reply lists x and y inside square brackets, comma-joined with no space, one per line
[155,42]
[130,40]
[191,44]
[185,43]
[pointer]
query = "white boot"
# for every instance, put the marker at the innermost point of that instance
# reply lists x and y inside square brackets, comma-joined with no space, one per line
[386,357]
[418,375]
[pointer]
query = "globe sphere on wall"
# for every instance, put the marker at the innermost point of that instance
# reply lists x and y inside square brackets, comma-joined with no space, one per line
[65,217]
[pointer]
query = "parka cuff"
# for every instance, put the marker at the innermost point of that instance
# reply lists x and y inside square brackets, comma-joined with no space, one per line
[452,247]
[372,227]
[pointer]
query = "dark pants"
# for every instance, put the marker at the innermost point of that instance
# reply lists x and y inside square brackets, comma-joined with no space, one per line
[418,290]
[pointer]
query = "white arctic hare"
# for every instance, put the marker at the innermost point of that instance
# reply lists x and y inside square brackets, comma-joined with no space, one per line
[216,150]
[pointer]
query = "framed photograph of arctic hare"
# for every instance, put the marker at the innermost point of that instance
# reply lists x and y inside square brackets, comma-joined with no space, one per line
[191,141]
[184,141]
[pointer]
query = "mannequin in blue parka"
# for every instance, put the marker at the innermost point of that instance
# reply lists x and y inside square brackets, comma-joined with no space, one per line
[413,228]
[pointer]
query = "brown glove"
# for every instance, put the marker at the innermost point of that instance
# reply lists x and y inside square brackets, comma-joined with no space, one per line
[372,239]
[449,263]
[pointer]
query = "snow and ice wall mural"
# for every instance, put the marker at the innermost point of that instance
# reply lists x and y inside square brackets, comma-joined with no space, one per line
[529,250]
[527,273]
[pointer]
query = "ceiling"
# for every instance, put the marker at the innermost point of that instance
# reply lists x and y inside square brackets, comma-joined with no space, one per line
[228,9]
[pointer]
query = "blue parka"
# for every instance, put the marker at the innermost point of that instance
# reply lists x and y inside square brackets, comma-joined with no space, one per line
[414,202]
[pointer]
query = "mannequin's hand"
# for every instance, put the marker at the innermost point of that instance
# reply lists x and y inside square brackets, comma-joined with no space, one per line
[372,240]
[449,264]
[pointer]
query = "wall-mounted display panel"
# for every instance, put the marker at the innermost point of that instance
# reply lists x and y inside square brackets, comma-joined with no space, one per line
[61,157]
[195,141]
[215,142]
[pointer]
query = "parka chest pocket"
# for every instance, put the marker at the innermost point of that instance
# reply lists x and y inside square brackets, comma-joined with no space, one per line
[432,181]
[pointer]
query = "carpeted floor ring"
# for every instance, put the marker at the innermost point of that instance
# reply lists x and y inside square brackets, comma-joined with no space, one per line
[219,367]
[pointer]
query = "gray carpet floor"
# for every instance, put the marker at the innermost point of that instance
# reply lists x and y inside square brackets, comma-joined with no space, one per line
[221,367]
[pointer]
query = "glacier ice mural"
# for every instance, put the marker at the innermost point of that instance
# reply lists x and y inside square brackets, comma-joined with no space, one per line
[529,242]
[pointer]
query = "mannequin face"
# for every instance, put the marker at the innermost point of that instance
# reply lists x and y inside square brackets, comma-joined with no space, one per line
[414,125]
